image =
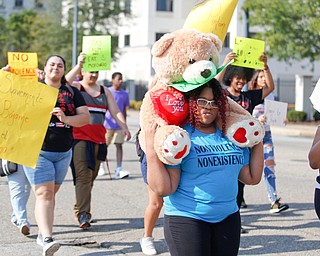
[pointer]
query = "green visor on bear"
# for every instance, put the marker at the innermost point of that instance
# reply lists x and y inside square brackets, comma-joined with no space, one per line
[186,87]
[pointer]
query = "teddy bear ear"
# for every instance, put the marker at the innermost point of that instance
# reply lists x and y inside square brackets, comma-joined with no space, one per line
[217,42]
[160,46]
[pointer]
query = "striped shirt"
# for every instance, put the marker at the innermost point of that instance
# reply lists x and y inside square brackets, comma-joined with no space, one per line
[94,131]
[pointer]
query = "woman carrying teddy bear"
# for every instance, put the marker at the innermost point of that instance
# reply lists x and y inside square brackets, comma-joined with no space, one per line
[200,208]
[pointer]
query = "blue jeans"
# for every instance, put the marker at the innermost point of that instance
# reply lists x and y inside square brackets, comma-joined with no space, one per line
[51,166]
[269,172]
[19,188]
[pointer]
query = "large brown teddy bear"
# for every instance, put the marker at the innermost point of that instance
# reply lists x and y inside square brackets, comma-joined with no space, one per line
[190,57]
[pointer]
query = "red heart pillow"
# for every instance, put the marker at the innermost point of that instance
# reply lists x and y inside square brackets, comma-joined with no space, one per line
[170,105]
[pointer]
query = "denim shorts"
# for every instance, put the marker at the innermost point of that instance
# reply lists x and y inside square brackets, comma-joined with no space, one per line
[51,166]
[143,167]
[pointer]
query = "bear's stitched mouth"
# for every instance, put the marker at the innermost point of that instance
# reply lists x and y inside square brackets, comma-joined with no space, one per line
[181,153]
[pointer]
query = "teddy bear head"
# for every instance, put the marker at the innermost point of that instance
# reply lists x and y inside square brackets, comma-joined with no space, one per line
[186,55]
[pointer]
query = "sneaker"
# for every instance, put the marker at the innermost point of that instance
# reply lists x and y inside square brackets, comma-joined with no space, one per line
[84,220]
[15,223]
[40,239]
[49,246]
[243,231]
[243,204]
[276,207]
[124,174]
[24,229]
[102,170]
[121,174]
[147,246]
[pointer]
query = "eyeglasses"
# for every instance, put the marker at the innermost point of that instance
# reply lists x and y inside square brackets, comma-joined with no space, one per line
[203,103]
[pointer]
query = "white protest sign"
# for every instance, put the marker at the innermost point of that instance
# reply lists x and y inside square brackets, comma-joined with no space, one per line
[315,97]
[276,112]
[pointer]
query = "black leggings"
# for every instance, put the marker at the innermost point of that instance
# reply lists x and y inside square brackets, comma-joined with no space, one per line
[191,237]
[317,201]
[240,193]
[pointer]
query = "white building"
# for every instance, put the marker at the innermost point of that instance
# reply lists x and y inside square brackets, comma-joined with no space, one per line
[153,18]
[8,7]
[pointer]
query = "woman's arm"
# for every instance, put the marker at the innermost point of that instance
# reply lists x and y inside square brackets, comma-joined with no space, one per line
[267,74]
[314,153]
[161,180]
[230,56]
[116,114]
[76,69]
[251,174]
[81,118]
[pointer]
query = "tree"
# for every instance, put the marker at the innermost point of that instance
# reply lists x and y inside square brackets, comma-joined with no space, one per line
[289,27]
[51,33]
[29,31]
[100,17]
[3,44]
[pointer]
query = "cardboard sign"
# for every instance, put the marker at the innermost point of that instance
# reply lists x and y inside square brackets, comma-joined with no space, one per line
[249,51]
[211,16]
[23,64]
[25,108]
[98,53]
[276,112]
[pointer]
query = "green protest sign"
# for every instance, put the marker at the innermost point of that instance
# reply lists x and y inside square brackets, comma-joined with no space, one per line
[98,52]
[248,52]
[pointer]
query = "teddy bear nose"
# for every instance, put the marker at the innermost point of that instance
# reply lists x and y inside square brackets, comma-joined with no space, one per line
[206,73]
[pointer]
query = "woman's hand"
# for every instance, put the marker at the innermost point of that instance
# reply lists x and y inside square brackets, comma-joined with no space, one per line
[58,113]
[150,132]
[262,119]
[81,59]
[40,74]
[264,59]
[230,56]
[6,68]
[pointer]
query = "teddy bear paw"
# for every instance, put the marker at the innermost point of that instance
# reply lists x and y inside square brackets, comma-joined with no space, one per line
[246,133]
[173,147]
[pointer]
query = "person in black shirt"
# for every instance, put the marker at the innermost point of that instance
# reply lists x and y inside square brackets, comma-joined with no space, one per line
[235,78]
[55,155]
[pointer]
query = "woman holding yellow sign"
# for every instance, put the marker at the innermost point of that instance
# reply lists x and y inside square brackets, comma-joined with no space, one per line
[55,155]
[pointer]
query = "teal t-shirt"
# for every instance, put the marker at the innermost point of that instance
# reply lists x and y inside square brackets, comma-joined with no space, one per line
[208,185]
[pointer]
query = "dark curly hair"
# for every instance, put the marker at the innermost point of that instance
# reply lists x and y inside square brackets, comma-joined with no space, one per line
[219,96]
[63,78]
[235,71]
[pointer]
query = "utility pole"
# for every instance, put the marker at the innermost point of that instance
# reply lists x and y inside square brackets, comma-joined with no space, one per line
[245,23]
[75,34]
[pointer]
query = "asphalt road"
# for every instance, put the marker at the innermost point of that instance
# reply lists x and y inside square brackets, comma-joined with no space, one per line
[118,208]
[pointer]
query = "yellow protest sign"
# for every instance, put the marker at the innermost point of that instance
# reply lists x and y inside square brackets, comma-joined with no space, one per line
[211,16]
[25,107]
[249,51]
[98,52]
[23,64]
